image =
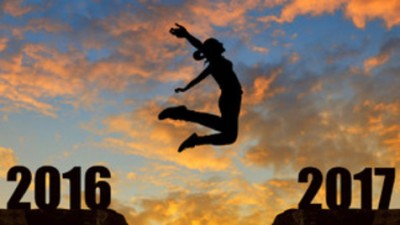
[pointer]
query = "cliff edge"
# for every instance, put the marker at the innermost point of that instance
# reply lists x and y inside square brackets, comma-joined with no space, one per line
[338,217]
[60,217]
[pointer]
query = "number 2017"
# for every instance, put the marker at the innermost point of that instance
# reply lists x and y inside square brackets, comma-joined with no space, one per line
[342,174]
[54,187]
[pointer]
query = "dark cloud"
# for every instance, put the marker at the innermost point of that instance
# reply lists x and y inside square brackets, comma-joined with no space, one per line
[328,118]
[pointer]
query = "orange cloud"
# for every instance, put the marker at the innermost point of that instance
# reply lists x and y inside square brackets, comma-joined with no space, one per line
[381,121]
[362,11]
[215,202]
[231,13]
[3,43]
[260,49]
[376,61]
[385,54]
[32,76]
[303,7]
[15,7]
[294,57]
[8,160]
[262,88]
[359,11]
[38,25]
[313,7]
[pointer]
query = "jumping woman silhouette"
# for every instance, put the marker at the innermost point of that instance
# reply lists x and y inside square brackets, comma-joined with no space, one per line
[229,102]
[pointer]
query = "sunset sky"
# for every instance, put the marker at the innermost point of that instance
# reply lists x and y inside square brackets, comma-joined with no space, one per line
[82,82]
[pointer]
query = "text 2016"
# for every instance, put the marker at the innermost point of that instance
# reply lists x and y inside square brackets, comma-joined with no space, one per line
[52,188]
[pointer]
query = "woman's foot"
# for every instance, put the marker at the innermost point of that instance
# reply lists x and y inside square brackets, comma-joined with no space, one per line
[172,112]
[190,142]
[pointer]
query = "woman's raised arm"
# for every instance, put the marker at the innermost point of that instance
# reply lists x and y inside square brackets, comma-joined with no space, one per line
[181,32]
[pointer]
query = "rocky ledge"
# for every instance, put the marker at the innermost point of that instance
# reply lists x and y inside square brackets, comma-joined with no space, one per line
[338,217]
[61,217]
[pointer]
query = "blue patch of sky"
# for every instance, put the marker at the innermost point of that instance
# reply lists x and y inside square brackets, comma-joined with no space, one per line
[9,20]
[57,40]
[394,32]
[174,2]
[88,9]
[94,55]
[36,138]
[374,34]
[314,35]
[262,37]
[79,14]
[34,2]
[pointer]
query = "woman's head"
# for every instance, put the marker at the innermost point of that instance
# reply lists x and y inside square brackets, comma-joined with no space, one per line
[211,48]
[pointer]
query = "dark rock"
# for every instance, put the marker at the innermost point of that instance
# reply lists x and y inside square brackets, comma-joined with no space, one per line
[61,217]
[338,217]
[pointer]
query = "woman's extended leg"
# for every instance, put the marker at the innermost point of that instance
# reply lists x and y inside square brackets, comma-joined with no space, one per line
[182,113]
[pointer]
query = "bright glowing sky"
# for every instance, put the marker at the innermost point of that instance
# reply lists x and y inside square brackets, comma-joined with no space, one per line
[82,82]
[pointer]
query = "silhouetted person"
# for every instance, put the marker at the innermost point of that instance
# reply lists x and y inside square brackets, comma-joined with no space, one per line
[229,102]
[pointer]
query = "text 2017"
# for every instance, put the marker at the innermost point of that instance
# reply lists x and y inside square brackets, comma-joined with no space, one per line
[341,176]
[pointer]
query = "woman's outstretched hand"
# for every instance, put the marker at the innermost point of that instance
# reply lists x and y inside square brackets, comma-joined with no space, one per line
[179,31]
[177,90]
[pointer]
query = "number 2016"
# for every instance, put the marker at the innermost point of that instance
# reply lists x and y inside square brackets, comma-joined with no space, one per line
[342,174]
[54,187]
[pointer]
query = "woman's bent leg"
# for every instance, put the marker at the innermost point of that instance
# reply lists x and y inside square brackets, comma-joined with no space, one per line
[227,136]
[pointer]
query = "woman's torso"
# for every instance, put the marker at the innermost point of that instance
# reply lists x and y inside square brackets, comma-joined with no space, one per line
[222,71]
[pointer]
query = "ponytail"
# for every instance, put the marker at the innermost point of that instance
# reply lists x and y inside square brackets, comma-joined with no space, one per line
[198,55]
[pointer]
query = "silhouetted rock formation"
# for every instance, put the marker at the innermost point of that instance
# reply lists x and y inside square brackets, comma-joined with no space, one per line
[61,217]
[338,217]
